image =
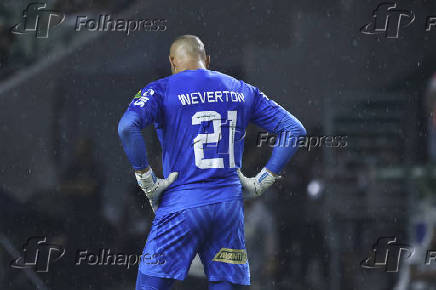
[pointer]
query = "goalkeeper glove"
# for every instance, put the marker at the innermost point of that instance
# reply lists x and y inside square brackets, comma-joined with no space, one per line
[255,186]
[153,186]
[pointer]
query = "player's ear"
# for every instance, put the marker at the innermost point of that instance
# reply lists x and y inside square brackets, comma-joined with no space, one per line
[173,67]
[207,61]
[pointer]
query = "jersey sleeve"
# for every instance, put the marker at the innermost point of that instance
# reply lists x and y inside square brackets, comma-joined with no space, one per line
[272,117]
[144,109]
[267,114]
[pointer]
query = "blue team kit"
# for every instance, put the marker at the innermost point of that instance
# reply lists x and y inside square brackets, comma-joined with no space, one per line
[200,117]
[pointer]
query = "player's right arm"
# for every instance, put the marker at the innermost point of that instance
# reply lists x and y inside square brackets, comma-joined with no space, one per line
[142,111]
[272,117]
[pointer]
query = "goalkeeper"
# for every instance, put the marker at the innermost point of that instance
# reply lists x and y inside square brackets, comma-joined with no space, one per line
[200,117]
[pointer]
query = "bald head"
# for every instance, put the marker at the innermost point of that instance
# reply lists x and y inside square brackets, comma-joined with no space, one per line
[187,52]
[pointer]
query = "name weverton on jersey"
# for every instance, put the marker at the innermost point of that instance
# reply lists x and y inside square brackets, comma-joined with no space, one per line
[211,97]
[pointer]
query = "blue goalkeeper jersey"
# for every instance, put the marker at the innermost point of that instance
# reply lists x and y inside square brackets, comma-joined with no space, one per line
[200,117]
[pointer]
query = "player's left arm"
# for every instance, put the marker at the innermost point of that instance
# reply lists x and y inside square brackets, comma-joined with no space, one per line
[142,111]
[269,115]
[275,119]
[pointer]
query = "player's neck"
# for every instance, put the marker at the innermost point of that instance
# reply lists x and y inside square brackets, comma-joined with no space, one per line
[192,66]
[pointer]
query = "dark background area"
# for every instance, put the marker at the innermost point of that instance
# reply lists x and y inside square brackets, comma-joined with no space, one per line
[63,173]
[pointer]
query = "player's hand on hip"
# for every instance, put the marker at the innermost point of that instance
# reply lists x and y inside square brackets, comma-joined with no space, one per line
[153,186]
[255,186]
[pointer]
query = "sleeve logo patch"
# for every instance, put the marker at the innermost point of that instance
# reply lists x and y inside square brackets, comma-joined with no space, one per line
[231,256]
[142,98]
[138,95]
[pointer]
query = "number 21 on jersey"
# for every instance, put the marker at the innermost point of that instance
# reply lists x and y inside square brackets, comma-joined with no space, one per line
[215,137]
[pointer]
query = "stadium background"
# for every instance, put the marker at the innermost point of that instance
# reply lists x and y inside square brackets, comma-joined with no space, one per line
[63,173]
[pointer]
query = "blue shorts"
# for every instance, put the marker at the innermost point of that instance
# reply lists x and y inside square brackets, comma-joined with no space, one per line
[214,231]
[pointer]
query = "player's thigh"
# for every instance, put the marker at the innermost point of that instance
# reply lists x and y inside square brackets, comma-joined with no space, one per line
[224,254]
[170,247]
